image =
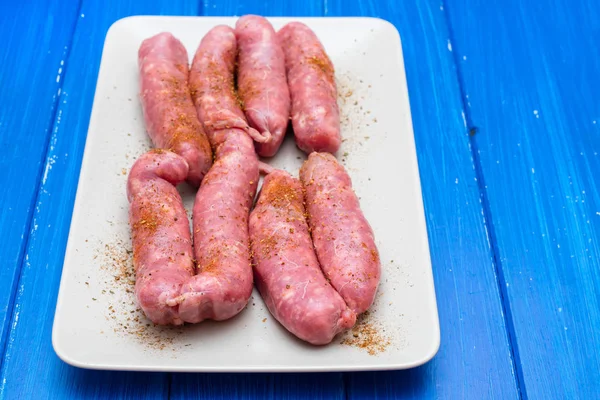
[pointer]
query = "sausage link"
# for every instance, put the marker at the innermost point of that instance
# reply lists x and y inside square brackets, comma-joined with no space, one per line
[212,84]
[311,81]
[162,248]
[286,269]
[262,82]
[343,238]
[169,113]
[223,285]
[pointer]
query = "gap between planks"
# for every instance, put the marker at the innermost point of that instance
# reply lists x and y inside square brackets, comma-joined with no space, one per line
[488,221]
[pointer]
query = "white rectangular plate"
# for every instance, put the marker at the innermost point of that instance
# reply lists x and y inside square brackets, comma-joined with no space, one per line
[96,323]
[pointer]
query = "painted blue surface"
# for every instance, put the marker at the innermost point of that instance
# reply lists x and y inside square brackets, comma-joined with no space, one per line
[36,39]
[513,212]
[529,74]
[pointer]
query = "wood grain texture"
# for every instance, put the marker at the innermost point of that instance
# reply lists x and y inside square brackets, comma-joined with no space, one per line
[474,360]
[221,386]
[32,57]
[267,8]
[530,79]
[259,386]
[30,368]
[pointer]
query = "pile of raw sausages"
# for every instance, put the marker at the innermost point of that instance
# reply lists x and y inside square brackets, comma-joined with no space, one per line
[305,243]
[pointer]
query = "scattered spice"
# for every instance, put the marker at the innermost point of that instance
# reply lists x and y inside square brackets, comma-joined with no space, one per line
[268,245]
[355,117]
[116,262]
[367,335]
[323,63]
[280,195]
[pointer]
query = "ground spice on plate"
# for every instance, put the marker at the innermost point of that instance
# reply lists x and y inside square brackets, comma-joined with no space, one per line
[367,335]
[116,260]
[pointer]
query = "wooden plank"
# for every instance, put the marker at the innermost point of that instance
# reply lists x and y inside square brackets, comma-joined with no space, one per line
[259,386]
[272,8]
[328,386]
[530,77]
[31,368]
[221,386]
[474,360]
[31,55]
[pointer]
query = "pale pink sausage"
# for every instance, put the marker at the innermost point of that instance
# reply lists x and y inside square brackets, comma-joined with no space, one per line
[286,269]
[220,224]
[169,113]
[342,236]
[212,84]
[261,79]
[162,248]
[311,81]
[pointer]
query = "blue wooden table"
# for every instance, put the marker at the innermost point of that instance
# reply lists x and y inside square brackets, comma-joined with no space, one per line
[504,98]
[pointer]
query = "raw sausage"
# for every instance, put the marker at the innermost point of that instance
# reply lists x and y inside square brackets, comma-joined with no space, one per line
[220,223]
[286,268]
[311,81]
[162,248]
[223,284]
[212,84]
[342,237]
[169,112]
[261,79]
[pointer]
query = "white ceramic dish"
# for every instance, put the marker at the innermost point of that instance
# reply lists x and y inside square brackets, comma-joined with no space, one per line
[96,323]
